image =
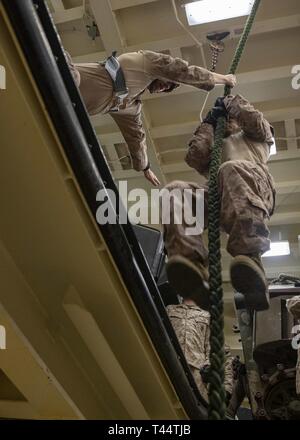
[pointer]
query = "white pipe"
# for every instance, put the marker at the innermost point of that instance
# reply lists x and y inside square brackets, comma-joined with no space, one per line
[199,44]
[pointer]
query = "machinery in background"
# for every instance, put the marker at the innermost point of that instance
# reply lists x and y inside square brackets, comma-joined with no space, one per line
[269,356]
[152,244]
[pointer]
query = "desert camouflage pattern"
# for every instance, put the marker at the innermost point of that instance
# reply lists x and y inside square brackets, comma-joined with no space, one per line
[140,69]
[247,202]
[167,68]
[191,325]
[245,185]
[249,142]
[293,306]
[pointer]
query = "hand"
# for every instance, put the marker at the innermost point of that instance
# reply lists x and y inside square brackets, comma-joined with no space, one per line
[151,177]
[230,80]
[205,373]
[220,102]
[216,112]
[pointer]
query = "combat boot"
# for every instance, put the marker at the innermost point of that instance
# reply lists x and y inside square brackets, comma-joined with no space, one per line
[189,279]
[248,277]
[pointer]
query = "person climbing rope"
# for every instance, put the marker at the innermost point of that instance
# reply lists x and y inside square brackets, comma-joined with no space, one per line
[116,85]
[217,395]
[191,325]
[247,195]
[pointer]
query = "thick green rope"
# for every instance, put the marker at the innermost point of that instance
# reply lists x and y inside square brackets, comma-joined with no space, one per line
[217,395]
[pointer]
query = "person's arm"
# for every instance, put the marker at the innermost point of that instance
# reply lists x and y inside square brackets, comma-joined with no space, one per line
[207,344]
[228,380]
[293,306]
[252,121]
[167,68]
[199,148]
[130,123]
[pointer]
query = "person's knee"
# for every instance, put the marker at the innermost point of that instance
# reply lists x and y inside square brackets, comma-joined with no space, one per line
[228,167]
[181,185]
[176,184]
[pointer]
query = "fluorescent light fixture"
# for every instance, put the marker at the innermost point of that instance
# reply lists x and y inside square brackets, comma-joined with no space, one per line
[207,11]
[273,148]
[278,249]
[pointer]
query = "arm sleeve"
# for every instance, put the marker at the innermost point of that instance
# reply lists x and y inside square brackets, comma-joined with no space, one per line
[293,306]
[129,122]
[167,68]
[199,149]
[207,346]
[228,381]
[252,121]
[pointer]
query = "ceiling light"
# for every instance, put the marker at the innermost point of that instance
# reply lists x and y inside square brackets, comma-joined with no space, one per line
[207,11]
[273,148]
[278,248]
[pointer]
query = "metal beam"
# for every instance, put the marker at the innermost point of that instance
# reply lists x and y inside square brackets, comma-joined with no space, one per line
[288,187]
[282,114]
[189,127]
[112,156]
[182,167]
[291,134]
[183,40]
[107,23]
[121,4]
[285,155]
[65,15]
[285,218]
[57,5]
[90,57]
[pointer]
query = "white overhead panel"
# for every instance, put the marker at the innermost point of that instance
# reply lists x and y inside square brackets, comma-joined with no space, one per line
[278,249]
[66,15]
[207,11]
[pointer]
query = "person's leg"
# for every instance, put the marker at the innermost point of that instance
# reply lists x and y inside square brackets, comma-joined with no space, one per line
[187,254]
[199,382]
[247,201]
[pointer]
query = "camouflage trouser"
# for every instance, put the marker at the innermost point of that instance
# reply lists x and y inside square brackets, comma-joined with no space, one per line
[228,379]
[199,382]
[247,202]
[192,327]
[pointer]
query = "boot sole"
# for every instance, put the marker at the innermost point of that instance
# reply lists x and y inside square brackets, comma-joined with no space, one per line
[247,278]
[186,279]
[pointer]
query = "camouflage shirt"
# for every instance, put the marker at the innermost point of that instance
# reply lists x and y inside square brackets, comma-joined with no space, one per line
[250,142]
[191,325]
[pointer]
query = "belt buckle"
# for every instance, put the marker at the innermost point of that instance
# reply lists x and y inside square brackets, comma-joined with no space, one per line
[122,94]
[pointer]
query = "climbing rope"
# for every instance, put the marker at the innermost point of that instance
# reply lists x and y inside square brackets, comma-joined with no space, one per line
[217,395]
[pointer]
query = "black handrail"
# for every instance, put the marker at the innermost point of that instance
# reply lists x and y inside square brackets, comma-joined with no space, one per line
[40,43]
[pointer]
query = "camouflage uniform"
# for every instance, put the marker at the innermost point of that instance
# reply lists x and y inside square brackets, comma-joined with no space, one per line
[191,325]
[140,69]
[245,184]
[293,306]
